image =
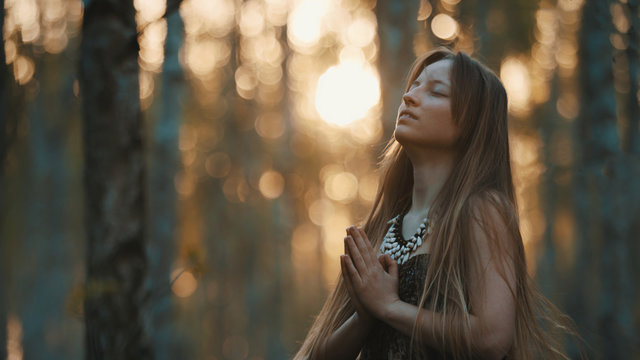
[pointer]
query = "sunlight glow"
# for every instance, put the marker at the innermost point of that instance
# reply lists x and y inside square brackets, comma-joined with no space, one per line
[184,183]
[361,31]
[570,5]
[270,125]
[151,42]
[24,16]
[246,82]
[251,18]
[368,187]
[149,10]
[203,56]
[515,77]
[620,19]
[10,51]
[346,93]
[271,184]
[55,37]
[528,167]
[185,285]
[444,27]
[23,69]
[424,11]
[304,246]
[568,106]
[277,12]
[342,187]
[305,23]
[14,338]
[215,17]
[333,233]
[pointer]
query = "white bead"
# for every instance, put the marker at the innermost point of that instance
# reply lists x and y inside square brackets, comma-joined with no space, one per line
[419,242]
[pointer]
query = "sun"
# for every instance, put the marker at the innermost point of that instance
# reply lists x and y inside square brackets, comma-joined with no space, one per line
[346,92]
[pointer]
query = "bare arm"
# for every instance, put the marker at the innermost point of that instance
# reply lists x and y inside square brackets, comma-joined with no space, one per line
[492,321]
[346,342]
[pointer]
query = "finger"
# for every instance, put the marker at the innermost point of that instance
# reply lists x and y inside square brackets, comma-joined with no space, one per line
[365,250]
[347,280]
[355,255]
[383,261]
[392,266]
[345,275]
[355,278]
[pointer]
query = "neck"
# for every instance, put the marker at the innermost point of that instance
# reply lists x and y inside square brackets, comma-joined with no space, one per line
[430,171]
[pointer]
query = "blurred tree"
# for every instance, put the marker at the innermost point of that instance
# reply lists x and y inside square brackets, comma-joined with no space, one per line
[164,162]
[46,268]
[397,27]
[607,201]
[4,269]
[499,27]
[631,137]
[114,178]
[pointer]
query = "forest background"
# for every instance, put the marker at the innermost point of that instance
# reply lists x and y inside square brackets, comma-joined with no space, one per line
[176,176]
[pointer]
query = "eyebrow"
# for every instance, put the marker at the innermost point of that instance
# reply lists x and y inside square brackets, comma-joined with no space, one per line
[415,82]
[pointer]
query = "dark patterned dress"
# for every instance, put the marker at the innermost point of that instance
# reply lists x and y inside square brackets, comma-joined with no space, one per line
[387,343]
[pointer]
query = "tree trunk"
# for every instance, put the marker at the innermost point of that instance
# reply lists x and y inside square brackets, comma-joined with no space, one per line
[606,201]
[631,137]
[397,26]
[164,163]
[113,178]
[4,270]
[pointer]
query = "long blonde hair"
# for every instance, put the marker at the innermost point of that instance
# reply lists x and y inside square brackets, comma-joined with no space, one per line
[481,175]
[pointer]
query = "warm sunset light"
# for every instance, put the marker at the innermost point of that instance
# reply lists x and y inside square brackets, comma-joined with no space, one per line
[185,284]
[444,27]
[14,338]
[515,76]
[342,187]
[346,92]
[333,233]
[257,133]
[305,23]
[271,184]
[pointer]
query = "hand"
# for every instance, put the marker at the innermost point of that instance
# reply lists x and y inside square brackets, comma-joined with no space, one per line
[373,290]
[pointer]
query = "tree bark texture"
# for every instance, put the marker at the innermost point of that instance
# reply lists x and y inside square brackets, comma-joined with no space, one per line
[607,201]
[113,178]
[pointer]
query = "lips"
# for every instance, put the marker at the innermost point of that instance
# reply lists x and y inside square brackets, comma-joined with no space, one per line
[408,113]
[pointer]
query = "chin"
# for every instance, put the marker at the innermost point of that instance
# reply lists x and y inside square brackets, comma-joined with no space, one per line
[401,135]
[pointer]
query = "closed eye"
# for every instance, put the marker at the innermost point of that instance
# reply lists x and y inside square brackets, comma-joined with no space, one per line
[436,93]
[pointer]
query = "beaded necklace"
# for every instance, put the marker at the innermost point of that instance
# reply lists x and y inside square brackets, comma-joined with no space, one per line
[394,243]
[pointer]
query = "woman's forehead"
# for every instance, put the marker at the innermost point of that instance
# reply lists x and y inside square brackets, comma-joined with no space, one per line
[439,70]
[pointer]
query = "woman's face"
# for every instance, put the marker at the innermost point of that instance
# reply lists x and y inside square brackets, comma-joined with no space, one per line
[424,116]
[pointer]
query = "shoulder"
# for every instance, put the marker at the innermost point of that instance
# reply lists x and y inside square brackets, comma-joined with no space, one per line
[493,226]
[491,207]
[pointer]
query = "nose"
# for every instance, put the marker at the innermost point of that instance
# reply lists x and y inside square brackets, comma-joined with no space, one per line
[409,98]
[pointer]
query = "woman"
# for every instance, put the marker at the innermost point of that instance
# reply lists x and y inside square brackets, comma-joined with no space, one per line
[439,267]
